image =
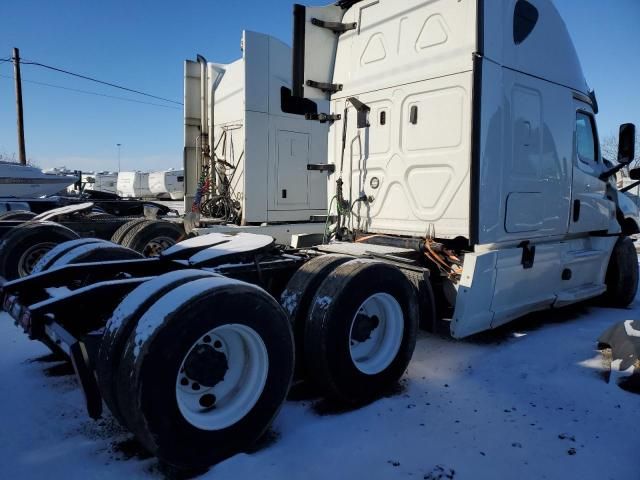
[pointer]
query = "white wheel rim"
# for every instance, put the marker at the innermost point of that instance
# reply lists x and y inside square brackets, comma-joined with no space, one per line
[240,387]
[376,333]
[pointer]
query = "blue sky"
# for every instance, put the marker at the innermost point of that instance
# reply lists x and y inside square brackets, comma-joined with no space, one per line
[142,44]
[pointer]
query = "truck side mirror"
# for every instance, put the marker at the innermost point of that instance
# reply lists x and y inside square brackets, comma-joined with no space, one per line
[634,174]
[626,143]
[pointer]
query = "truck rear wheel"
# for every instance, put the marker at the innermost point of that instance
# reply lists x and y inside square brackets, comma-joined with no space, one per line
[299,292]
[153,237]
[119,234]
[622,274]
[24,246]
[206,370]
[124,320]
[361,331]
[426,301]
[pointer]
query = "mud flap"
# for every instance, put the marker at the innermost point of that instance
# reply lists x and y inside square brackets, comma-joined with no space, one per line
[473,312]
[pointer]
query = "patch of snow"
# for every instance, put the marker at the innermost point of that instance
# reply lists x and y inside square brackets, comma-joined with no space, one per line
[57,292]
[324,302]
[66,210]
[289,301]
[628,328]
[199,241]
[55,251]
[71,255]
[142,293]
[242,242]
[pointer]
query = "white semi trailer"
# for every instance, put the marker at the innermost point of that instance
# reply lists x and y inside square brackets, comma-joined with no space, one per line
[167,184]
[466,189]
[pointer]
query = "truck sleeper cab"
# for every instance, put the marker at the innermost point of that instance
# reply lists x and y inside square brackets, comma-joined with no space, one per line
[466,123]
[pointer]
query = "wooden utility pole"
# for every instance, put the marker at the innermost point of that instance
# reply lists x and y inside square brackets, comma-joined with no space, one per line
[20,120]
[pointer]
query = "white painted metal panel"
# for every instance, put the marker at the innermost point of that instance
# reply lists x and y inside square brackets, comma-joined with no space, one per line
[402,61]
[526,135]
[133,184]
[292,178]
[496,288]
[256,165]
[402,42]
[548,52]
[191,130]
[417,174]
[592,210]
[320,49]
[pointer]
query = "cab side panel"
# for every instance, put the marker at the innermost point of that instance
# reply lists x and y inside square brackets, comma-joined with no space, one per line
[413,67]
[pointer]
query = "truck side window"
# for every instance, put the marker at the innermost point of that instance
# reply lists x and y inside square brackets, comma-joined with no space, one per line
[525,18]
[585,138]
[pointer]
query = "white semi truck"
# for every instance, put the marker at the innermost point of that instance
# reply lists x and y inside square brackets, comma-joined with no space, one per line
[247,143]
[466,189]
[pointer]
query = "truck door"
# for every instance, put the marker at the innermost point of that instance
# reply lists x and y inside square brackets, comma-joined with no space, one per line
[591,210]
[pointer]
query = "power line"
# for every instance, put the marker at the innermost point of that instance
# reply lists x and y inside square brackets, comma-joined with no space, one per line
[56,69]
[94,93]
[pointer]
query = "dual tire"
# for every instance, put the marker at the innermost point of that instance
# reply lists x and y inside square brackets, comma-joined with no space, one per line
[149,237]
[194,396]
[23,247]
[356,323]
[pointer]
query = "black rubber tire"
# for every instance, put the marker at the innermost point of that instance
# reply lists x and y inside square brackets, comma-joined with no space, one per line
[426,300]
[58,251]
[141,235]
[119,234]
[122,322]
[24,238]
[95,252]
[297,297]
[17,215]
[327,335]
[154,352]
[622,274]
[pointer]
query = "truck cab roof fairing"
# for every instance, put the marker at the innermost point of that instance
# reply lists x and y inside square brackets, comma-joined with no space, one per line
[546,52]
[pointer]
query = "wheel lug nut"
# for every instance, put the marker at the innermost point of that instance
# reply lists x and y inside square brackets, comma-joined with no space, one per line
[184,382]
[195,386]
[208,400]
[206,339]
[217,344]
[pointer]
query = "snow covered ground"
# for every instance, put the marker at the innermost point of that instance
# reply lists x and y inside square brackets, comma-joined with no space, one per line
[528,401]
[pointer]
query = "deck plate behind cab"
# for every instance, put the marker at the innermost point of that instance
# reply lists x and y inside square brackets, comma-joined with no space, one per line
[213,248]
